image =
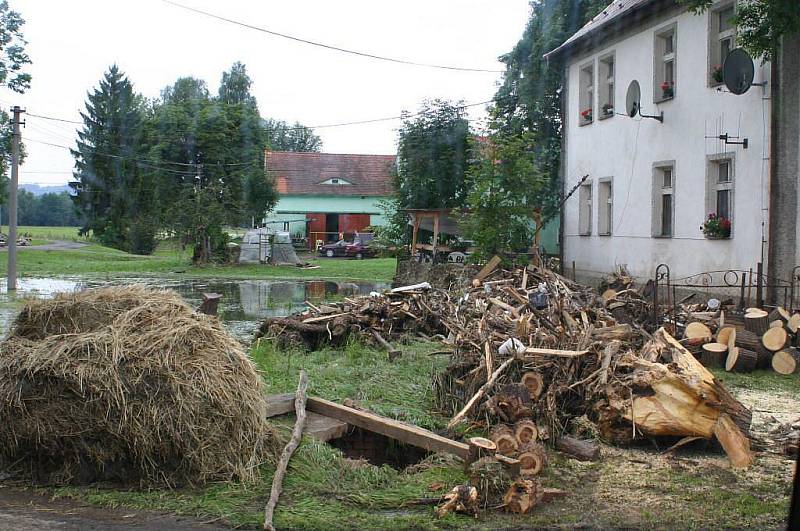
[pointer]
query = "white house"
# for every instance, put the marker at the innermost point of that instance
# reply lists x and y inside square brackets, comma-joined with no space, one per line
[651,185]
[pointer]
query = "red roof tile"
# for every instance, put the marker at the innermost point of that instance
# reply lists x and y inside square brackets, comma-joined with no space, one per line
[302,173]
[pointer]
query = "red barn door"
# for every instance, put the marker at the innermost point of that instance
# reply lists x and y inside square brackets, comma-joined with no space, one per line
[350,223]
[316,228]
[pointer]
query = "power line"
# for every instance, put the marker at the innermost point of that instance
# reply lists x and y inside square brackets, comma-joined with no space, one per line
[328,46]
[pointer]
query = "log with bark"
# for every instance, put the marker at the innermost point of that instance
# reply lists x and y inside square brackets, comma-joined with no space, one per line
[580,449]
[714,354]
[756,321]
[786,361]
[526,432]
[504,438]
[462,499]
[522,496]
[532,458]
[741,360]
[534,382]
[775,339]
[511,403]
[678,397]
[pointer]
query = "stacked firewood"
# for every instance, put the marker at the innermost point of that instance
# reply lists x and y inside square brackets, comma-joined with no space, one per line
[758,339]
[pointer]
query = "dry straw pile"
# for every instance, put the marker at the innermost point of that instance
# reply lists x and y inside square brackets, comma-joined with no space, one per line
[128,384]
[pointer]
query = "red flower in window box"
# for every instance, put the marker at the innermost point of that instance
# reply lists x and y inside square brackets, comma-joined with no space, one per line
[667,89]
[587,114]
[716,227]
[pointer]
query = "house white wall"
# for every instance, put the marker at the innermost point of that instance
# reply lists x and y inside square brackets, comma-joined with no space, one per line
[625,149]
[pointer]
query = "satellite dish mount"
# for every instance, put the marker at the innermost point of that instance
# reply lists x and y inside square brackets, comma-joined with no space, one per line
[633,103]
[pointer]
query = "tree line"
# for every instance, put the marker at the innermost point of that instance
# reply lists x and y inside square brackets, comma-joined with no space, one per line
[46,210]
[186,164]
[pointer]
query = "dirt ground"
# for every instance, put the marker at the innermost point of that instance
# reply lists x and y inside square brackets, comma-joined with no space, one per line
[24,510]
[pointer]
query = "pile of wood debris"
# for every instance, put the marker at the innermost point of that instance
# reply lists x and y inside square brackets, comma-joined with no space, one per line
[535,356]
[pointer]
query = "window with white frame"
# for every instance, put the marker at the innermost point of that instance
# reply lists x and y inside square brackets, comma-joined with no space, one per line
[586,96]
[606,85]
[663,223]
[664,67]
[722,39]
[720,185]
[605,206]
[585,209]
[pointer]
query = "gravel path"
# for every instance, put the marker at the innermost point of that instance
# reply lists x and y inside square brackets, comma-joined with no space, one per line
[57,245]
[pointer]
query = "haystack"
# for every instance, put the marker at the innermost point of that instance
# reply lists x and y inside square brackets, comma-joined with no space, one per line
[128,384]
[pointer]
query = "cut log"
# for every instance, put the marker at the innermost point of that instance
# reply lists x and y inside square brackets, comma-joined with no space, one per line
[608,295]
[582,450]
[714,354]
[511,464]
[522,496]
[775,339]
[526,432]
[393,352]
[480,394]
[777,323]
[549,495]
[756,321]
[735,444]
[741,360]
[532,459]
[697,330]
[505,439]
[511,403]
[534,382]
[487,270]
[779,314]
[535,351]
[748,340]
[724,334]
[786,361]
[480,447]
[794,323]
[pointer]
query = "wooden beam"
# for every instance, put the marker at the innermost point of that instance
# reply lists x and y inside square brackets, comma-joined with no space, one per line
[280,404]
[435,234]
[391,428]
[487,270]
[534,351]
[417,220]
[324,428]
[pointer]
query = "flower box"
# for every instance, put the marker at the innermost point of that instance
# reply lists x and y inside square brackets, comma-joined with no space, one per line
[587,115]
[608,110]
[667,90]
[716,227]
[716,74]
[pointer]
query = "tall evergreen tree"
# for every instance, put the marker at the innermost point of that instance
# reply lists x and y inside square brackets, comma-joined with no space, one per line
[108,171]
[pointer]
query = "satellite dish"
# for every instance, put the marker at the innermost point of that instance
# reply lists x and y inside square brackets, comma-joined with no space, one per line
[633,103]
[633,99]
[738,71]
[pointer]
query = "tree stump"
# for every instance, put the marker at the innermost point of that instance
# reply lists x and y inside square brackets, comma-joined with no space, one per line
[741,360]
[786,361]
[714,354]
[480,447]
[505,439]
[580,449]
[526,432]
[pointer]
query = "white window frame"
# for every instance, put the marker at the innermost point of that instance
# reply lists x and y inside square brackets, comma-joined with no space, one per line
[660,60]
[605,206]
[659,191]
[715,38]
[606,82]
[586,92]
[585,199]
[713,185]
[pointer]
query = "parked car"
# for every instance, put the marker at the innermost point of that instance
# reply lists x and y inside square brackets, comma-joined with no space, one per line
[359,248]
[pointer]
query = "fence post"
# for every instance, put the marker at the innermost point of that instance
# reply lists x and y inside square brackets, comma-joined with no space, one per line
[760,285]
[741,293]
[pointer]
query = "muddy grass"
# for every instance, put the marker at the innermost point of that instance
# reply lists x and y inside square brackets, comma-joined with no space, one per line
[641,488]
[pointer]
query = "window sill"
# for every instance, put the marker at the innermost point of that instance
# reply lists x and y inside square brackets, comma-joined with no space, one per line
[583,122]
[663,236]
[663,99]
[584,234]
[606,116]
[717,237]
[714,84]
[604,234]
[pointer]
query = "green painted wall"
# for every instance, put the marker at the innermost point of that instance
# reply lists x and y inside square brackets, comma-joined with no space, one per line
[295,207]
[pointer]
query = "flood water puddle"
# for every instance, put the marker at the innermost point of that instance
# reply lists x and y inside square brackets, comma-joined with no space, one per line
[244,302]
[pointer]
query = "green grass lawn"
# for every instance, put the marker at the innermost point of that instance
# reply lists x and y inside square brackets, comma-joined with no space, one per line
[94,259]
[632,488]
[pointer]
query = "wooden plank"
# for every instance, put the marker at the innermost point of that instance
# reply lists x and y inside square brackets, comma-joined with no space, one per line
[280,404]
[324,428]
[391,428]
[504,306]
[533,351]
[487,270]
[322,318]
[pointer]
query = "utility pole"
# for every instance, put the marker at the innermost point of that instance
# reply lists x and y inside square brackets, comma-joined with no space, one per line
[12,201]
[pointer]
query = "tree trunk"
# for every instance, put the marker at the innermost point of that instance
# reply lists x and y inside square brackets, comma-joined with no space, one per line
[756,321]
[714,354]
[582,450]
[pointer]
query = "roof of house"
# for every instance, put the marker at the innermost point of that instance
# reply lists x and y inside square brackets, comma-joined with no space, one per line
[298,173]
[619,11]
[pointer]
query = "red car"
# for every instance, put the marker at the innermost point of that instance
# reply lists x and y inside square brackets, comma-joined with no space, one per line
[358,248]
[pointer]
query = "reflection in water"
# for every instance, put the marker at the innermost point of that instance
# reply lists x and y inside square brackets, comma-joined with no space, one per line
[243,304]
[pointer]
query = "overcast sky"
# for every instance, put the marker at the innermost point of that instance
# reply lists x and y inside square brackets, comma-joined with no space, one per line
[73,42]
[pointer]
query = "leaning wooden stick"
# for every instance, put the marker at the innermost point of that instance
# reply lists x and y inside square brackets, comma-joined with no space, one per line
[482,391]
[294,442]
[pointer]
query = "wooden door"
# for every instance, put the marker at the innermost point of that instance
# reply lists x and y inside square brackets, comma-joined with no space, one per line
[350,223]
[316,228]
